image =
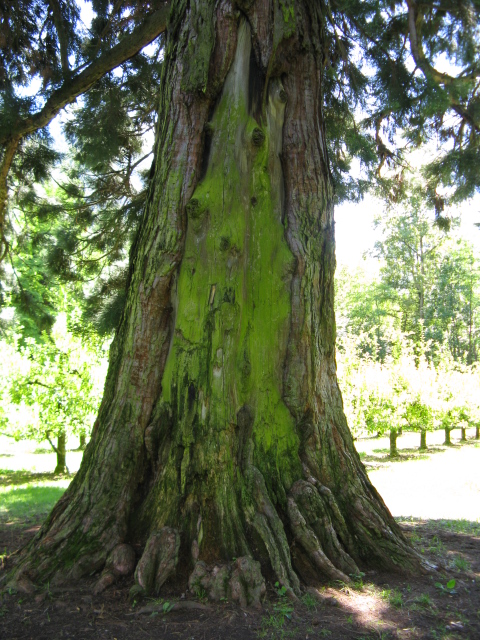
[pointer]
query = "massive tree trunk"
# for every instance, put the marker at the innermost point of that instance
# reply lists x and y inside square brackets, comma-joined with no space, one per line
[221,440]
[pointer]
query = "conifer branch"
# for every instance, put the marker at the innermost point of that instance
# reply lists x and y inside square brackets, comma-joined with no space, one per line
[415,21]
[6,163]
[67,93]
[130,45]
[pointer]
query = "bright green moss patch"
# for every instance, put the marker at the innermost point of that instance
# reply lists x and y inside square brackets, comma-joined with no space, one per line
[233,316]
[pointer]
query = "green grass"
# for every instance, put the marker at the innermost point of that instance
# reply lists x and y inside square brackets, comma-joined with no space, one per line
[25,496]
[461,564]
[423,601]
[466,527]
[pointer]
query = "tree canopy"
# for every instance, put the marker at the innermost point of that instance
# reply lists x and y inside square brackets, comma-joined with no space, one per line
[397,75]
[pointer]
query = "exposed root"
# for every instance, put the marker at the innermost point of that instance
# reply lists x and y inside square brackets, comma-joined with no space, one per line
[263,516]
[158,561]
[121,562]
[22,585]
[313,528]
[242,582]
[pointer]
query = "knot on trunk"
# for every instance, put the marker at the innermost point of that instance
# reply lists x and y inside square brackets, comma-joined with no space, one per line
[195,209]
[241,582]
[258,137]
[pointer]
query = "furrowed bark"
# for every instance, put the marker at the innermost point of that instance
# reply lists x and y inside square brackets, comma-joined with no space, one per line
[221,449]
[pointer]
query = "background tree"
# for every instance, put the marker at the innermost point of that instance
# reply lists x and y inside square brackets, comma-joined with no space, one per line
[410,253]
[221,407]
[452,311]
[427,289]
[51,389]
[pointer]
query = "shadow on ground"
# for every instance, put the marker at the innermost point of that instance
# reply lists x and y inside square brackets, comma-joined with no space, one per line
[380,457]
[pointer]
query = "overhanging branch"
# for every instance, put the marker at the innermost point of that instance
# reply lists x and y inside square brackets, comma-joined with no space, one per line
[73,87]
[131,44]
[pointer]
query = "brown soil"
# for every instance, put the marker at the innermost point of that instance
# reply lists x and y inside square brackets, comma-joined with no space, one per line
[385,607]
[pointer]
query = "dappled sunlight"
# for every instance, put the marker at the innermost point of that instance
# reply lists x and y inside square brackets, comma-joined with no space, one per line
[366,606]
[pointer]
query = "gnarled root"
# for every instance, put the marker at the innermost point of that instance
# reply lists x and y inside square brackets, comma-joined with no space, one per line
[241,582]
[121,562]
[313,529]
[158,561]
[263,517]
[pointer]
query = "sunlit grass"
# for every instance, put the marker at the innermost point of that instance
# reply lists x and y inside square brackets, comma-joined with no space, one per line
[25,496]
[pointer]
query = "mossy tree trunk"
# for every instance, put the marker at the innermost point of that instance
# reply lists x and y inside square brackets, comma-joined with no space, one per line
[448,440]
[477,432]
[221,434]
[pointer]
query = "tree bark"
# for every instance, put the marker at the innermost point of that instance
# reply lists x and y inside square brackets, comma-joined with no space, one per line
[477,432]
[463,437]
[221,449]
[448,440]
[61,452]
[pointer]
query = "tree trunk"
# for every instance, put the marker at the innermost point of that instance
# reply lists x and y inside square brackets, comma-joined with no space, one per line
[423,440]
[221,438]
[82,442]
[477,432]
[61,452]
[463,437]
[448,441]
[393,443]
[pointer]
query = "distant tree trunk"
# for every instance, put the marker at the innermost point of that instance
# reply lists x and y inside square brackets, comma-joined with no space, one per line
[82,442]
[393,443]
[221,439]
[61,452]
[423,439]
[477,432]
[463,437]
[448,441]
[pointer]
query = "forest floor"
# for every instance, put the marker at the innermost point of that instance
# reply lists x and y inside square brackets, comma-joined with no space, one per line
[435,497]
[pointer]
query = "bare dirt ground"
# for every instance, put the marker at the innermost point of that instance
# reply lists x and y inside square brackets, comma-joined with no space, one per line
[377,606]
